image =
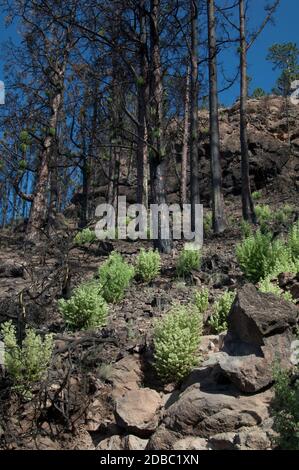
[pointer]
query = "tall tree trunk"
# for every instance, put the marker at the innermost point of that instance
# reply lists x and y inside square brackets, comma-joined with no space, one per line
[217,196]
[54,185]
[142,153]
[85,190]
[112,189]
[247,201]
[14,213]
[185,141]
[194,157]
[24,202]
[38,210]
[116,116]
[88,151]
[5,200]
[156,132]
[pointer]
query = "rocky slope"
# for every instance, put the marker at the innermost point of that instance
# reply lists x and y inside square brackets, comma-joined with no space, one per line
[101,391]
[223,404]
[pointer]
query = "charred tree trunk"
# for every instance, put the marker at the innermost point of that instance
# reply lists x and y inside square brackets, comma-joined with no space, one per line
[88,151]
[85,181]
[247,201]
[142,153]
[217,196]
[185,141]
[38,212]
[194,156]
[155,130]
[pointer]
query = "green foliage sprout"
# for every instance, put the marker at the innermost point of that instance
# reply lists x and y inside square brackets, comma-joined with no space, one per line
[201,300]
[26,364]
[267,285]
[115,276]
[85,236]
[189,259]
[221,309]
[258,254]
[176,339]
[148,265]
[285,409]
[86,309]
[293,241]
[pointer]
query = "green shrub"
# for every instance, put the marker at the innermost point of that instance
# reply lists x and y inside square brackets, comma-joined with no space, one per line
[284,214]
[201,300]
[263,213]
[148,265]
[293,241]
[189,259]
[85,309]
[258,254]
[285,263]
[285,409]
[115,276]
[86,236]
[246,228]
[256,195]
[176,340]
[26,364]
[218,319]
[267,285]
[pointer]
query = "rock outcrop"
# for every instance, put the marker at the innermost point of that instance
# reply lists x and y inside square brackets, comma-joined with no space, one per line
[272,159]
[137,411]
[261,329]
[214,403]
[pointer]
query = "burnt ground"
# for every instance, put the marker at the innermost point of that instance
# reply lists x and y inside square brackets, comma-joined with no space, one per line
[33,278]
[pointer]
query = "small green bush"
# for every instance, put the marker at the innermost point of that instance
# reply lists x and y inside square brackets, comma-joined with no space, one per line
[86,309]
[115,276]
[176,341]
[218,319]
[26,364]
[256,195]
[293,241]
[267,285]
[285,264]
[285,409]
[86,236]
[201,300]
[263,213]
[189,259]
[246,228]
[284,214]
[258,254]
[148,265]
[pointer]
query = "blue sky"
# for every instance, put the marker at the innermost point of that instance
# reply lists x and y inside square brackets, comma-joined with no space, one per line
[285,29]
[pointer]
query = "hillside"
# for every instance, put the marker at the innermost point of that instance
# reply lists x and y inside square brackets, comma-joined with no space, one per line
[273,159]
[101,390]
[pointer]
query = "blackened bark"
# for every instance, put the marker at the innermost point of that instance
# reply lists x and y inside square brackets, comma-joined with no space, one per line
[247,201]
[142,153]
[194,156]
[185,141]
[156,137]
[217,196]
[38,212]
